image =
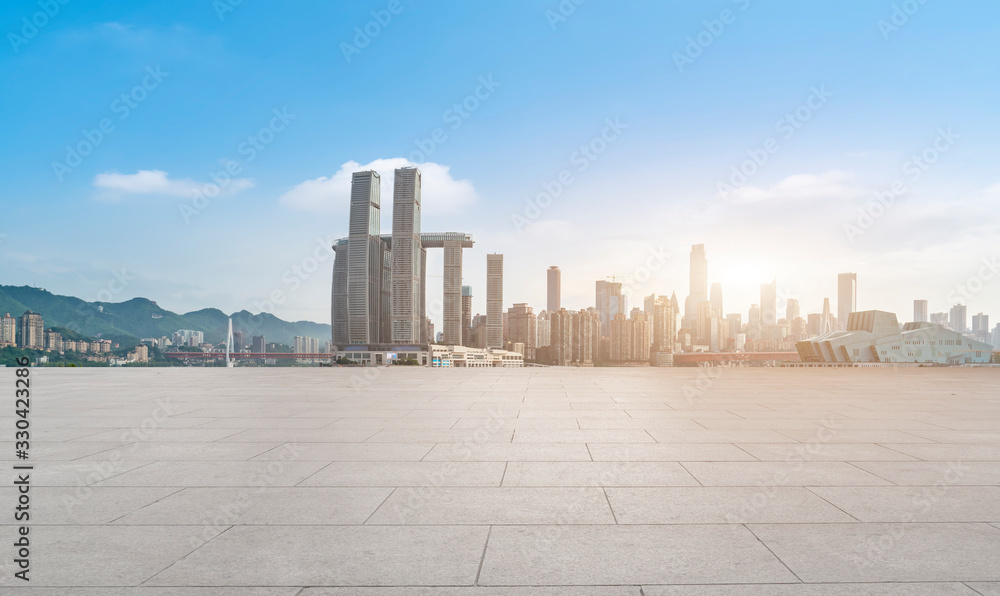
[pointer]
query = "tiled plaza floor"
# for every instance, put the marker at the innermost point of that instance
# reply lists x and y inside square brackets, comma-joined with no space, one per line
[544,481]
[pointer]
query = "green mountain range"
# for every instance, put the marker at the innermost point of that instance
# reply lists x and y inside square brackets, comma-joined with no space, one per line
[139,318]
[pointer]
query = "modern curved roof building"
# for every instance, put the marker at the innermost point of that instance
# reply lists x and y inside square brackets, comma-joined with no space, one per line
[876,336]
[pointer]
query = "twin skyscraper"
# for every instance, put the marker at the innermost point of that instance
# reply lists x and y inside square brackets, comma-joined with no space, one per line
[379,281]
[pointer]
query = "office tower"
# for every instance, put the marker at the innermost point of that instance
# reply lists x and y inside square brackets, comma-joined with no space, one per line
[847,297]
[406,256]
[663,323]
[699,285]
[522,328]
[8,330]
[30,331]
[648,304]
[494,301]
[554,302]
[792,309]
[453,291]
[366,254]
[609,301]
[467,316]
[769,304]
[957,318]
[920,311]
[753,318]
[716,298]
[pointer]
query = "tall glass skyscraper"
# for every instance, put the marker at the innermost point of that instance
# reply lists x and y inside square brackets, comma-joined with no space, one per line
[366,254]
[406,256]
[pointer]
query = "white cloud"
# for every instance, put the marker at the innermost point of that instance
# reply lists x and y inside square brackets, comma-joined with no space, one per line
[331,194]
[158,182]
[834,185]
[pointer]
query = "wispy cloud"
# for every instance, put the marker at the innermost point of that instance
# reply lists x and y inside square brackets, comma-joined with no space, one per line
[832,185]
[117,186]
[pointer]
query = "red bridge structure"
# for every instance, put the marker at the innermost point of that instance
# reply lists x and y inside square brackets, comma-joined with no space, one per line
[716,358]
[243,356]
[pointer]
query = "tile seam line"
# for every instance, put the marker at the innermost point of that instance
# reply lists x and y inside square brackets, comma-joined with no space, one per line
[780,560]
[482,559]
[151,577]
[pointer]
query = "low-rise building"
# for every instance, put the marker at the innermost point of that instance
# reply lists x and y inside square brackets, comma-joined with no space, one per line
[876,336]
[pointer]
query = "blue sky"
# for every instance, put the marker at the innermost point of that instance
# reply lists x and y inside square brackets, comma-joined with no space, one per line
[869,97]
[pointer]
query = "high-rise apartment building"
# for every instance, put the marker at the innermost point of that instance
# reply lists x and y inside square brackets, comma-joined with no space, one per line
[575,337]
[521,322]
[630,339]
[8,330]
[920,311]
[554,301]
[847,297]
[30,331]
[543,327]
[494,301]
[663,321]
[239,341]
[561,344]
[981,327]
[958,318]
[406,256]
[53,341]
[467,316]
